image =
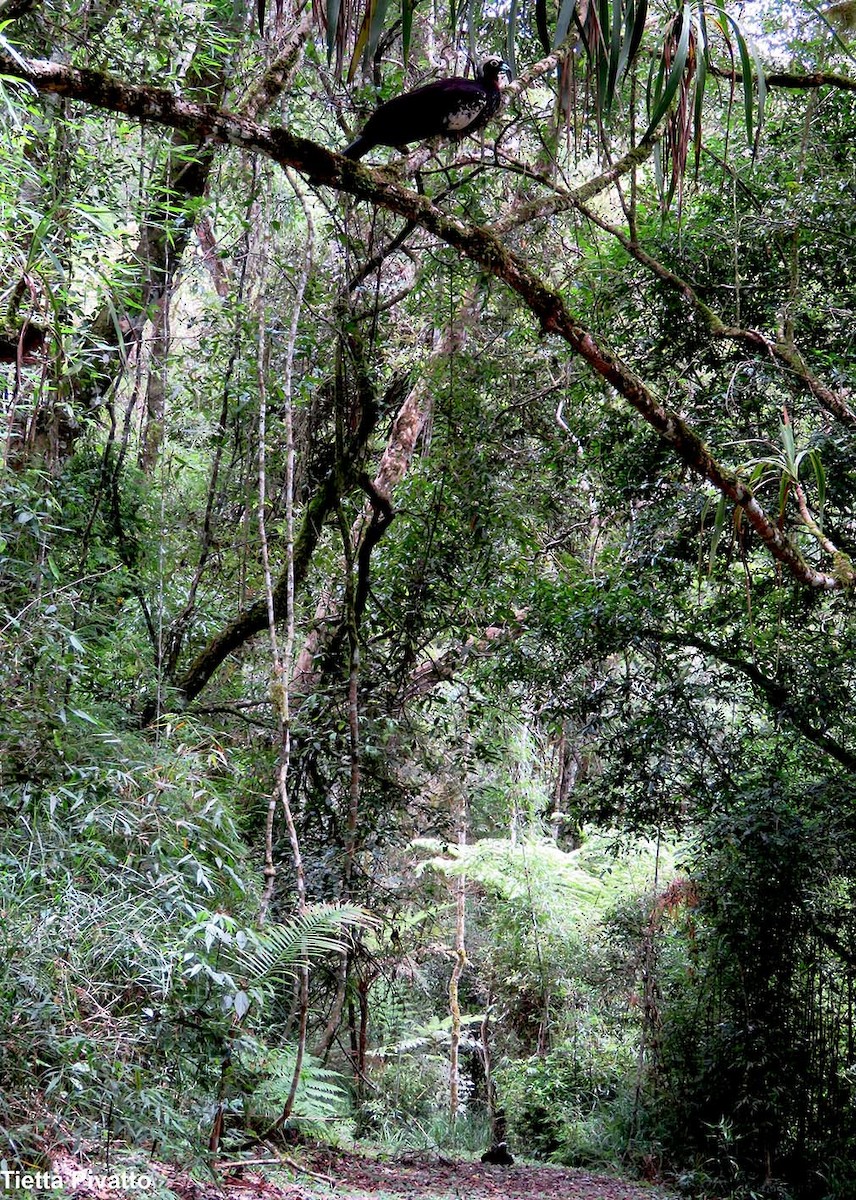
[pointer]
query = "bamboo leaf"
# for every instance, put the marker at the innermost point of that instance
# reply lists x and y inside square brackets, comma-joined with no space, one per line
[7,48]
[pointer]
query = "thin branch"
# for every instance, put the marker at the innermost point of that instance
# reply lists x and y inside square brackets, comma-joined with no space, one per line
[561,199]
[793,80]
[780,699]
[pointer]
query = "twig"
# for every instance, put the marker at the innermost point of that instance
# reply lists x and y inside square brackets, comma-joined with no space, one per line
[277,1161]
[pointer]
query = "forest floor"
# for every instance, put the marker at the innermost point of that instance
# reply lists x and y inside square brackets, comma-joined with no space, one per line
[319,1172]
[436,1177]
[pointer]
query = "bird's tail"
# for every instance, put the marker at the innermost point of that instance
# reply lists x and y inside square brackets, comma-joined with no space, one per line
[358,147]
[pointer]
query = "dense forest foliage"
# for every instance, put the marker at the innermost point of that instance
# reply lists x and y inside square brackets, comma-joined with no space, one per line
[428,655]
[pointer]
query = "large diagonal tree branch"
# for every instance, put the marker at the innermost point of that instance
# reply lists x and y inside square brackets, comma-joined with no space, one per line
[793,80]
[322,167]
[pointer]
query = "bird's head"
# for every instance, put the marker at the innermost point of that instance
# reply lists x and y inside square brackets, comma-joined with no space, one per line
[491,67]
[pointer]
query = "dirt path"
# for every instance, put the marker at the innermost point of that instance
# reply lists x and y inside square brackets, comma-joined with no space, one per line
[430,1177]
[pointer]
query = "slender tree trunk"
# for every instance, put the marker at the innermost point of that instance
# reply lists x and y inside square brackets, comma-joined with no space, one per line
[460,820]
[412,416]
[286,664]
[354,785]
[282,662]
[153,429]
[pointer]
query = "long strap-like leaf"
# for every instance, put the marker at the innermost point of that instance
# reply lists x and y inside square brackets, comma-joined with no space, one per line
[679,62]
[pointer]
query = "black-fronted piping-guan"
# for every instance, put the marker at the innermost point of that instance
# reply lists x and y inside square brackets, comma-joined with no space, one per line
[449,107]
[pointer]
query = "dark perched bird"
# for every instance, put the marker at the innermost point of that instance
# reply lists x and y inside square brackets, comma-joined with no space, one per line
[498,1155]
[448,107]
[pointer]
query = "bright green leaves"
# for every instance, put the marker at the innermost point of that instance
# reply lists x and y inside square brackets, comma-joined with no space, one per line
[783,466]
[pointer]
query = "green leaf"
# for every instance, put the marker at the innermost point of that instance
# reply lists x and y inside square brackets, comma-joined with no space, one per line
[698,103]
[602,53]
[786,434]
[333,9]
[640,16]
[762,83]
[378,21]
[820,482]
[676,73]
[615,43]
[85,716]
[407,9]
[511,38]
[9,49]
[636,14]
[563,22]
[719,520]
[745,71]
[370,31]
[785,481]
